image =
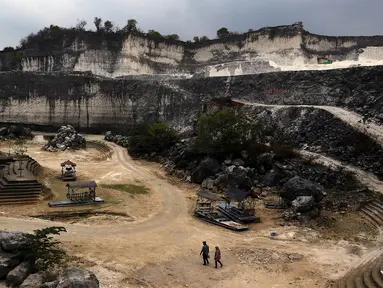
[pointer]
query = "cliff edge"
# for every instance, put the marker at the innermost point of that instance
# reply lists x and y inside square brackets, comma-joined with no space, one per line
[280,48]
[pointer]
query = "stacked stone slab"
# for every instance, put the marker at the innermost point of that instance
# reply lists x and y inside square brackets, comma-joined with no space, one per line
[16,190]
[368,275]
[373,212]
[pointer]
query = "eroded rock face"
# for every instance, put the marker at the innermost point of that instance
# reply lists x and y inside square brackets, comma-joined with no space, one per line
[77,278]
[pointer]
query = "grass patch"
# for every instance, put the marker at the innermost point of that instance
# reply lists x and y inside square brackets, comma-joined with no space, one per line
[128,188]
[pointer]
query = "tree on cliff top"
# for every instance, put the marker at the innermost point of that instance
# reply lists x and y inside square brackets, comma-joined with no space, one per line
[172,37]
[131,25]
[108,26]
[80,26]
[222,33]
[154,33]
[97,22]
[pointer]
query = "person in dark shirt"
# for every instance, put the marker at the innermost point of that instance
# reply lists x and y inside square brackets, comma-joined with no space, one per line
[217,256]
[205,253]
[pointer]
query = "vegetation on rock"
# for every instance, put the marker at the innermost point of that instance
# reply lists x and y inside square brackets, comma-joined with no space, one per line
[43,250]
[148,138]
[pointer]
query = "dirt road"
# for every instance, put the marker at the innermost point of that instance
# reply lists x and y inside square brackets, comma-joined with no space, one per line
[163,250]
[373,130]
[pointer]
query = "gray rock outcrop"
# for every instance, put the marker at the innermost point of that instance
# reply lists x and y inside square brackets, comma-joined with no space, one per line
[21,273]
[77,278]
[298,186]
[66,138]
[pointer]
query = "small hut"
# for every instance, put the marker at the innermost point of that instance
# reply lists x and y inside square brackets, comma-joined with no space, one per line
[74,195]
[244,210]
[68,171]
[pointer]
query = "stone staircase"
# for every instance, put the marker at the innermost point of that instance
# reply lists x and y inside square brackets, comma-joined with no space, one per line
[368,275]
[20,190]
[373,212]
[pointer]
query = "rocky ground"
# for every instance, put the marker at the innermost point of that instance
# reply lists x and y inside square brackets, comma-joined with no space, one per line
[161,248]
[22,272]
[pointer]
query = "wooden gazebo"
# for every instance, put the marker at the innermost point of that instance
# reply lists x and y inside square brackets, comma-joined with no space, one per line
[73,195]
[68,171]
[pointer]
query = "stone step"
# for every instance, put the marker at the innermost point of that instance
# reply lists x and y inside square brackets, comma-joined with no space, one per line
[20,202]
[350,283]
[20,193]
[377,215]
[376,207]
[19,187]
[377,276]
[359,281]
[379,204]
[367,279]
[370,217]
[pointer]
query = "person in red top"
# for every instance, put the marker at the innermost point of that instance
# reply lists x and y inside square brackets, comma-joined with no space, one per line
[217,256]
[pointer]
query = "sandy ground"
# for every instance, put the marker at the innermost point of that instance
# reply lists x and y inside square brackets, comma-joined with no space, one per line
[158,245]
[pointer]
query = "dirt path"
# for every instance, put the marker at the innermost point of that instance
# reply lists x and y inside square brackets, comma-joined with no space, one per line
[373,130]
[174,205]
[163,250]
[368,179]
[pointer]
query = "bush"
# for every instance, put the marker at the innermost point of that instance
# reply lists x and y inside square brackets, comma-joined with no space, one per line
[155,137]
[43,250]
[224,132]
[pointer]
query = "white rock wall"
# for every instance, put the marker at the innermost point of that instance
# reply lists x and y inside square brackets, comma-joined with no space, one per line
[139,56]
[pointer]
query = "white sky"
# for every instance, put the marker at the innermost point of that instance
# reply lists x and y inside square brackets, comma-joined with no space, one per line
[189,18]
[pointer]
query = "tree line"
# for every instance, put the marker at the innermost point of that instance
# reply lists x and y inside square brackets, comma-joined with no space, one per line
[53,32]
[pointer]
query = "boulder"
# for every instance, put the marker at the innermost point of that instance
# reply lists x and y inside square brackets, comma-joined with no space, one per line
[11,240]
[238,177]
[272,178]
[33,281]
[8,261]
[52,284]
[208,183]
[19,274]
[206,168]
[77,278]
[303,204]
[297,186]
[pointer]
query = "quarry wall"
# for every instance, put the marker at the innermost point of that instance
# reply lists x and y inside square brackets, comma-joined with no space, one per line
[118,55]
[96,104]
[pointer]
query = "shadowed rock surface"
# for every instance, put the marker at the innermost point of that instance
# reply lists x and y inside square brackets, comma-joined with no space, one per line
[95,104]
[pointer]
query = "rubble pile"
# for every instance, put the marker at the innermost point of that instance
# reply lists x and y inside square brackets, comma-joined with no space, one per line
[66,138]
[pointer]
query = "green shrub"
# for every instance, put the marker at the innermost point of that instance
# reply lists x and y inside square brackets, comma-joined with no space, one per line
[155,137]
[43,250]
[224,132]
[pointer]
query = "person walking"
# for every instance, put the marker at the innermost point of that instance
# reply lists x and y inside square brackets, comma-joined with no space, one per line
[217,256]
[205,253]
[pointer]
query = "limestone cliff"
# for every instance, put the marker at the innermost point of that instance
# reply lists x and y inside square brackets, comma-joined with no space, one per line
[96,104]
[268,49]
